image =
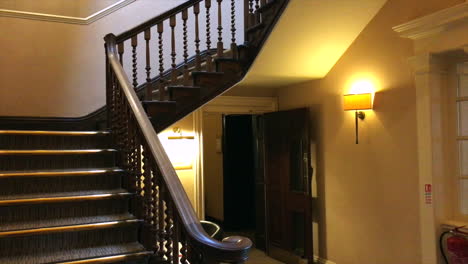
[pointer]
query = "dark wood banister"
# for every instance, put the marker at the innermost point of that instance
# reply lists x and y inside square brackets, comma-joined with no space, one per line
[236,248]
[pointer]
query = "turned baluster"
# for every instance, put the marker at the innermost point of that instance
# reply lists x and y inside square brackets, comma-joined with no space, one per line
[196,12]
[233,29]
[161,61]
[175,237]
[120,50]
[147,185]
[149,90]
[134,60]
[251,14]
[220,29]
[209,59]
[185,37]
[168,225]
[257,13]
[172,23]
[161,219]
[183,248]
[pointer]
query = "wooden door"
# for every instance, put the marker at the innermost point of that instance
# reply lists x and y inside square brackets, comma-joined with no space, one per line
[288,185]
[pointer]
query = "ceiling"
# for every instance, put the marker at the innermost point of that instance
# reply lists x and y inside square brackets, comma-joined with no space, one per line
[309,39]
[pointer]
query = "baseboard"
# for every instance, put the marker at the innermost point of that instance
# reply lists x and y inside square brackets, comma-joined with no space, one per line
[320,260]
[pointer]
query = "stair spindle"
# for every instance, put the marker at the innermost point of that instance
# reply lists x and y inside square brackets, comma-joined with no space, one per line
[183,248]
[134,60]
[169,225]
[220,30]
[251,14]
[120,49]
[185,38]
[209,59]
[257,14]
[233,29]
[172,23]
[149,90]
[196,12]
[161,219]
[161,61]
[175,237]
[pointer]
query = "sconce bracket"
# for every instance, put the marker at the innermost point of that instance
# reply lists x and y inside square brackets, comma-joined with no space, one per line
[361,115]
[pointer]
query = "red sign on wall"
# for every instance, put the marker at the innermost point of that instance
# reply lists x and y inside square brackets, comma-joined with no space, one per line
[428,193]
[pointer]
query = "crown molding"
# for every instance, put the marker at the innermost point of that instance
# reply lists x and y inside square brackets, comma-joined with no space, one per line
[434,23]
[66,19]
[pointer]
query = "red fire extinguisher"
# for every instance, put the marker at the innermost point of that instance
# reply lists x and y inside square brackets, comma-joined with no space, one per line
[456,246]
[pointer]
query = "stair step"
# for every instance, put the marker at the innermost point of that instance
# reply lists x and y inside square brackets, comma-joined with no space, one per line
[162,108]
[60,173]
[67,228]
[112,259]
[94,255]
[55,151]
[52,133]
[64,213]
[62,197]
[209,80]
[181,93]
[230,66]
[57,222]
[30,139]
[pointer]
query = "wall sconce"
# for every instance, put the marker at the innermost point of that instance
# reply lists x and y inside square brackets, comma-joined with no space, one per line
[178,131]
[358,102]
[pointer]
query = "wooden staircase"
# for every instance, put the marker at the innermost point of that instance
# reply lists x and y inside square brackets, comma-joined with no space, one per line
[113,196]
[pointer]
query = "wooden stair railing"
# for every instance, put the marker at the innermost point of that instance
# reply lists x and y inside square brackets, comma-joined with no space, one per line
[171,227]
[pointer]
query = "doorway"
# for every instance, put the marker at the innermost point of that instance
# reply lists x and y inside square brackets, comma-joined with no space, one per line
[262,185]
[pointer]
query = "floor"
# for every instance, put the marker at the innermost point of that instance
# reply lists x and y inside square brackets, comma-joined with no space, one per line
[258,257]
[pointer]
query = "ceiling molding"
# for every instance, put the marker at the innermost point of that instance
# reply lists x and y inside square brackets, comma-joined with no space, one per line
[434,23]
[66,19]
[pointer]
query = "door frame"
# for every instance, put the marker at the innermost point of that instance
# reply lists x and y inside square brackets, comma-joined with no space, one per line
[223,105]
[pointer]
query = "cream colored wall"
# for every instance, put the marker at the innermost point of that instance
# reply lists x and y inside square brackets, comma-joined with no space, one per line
[213,165]
[56,69]
[368,193]
[182,152]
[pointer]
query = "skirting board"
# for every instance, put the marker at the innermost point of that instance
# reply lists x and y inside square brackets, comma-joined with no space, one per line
[319,260]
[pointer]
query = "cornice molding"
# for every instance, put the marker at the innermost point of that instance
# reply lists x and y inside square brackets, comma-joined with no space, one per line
[434,23]
[66,19]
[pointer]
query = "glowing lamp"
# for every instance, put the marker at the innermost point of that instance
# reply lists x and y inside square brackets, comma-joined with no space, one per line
[358,102]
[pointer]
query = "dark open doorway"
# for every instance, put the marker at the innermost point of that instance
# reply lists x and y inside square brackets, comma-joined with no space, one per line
[244,192]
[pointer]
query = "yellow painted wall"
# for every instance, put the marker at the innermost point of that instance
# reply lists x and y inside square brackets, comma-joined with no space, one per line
[368,193]
[213,165]
[182,152]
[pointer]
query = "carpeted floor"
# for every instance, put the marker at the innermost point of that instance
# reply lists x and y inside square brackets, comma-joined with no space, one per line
[259,257]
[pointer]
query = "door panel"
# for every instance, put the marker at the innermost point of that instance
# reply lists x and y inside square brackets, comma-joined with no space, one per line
[288,177]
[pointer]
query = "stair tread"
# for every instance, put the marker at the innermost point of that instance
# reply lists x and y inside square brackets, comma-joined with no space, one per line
[54,151]
[266,6]
[62,172]
[65,196]
[68,228]
[23,225]
[52,132]
[75,254]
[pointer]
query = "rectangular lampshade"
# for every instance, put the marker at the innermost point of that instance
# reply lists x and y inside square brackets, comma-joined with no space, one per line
[358,101]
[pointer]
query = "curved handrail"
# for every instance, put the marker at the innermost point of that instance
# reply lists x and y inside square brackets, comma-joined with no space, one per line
[234,250]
